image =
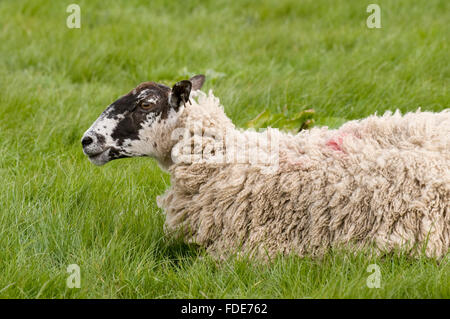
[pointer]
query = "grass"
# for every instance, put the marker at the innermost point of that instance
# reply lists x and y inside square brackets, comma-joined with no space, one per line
[58,209]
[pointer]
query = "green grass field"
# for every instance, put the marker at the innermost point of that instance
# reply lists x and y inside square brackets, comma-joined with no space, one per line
[57,209]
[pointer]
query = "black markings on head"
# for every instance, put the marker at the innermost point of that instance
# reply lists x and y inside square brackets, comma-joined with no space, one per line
[115,153]
[129,114]
[180,93]
[181,90]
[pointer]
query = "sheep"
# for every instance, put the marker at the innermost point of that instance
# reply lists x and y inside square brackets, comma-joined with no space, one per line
[382,181]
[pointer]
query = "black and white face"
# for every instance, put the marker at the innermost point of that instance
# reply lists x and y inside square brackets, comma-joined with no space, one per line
[136,123]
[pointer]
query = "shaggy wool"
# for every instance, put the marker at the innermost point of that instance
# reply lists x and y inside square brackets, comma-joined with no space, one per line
[382,181]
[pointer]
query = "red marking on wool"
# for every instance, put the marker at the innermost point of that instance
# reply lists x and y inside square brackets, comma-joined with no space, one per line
[335,143]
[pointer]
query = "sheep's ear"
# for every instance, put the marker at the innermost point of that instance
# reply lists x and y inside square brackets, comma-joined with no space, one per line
[197,81]
[180,94]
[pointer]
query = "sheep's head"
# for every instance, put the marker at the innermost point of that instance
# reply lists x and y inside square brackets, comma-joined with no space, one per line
[139,123]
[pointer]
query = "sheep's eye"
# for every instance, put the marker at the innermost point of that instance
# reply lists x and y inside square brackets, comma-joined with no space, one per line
[147,105]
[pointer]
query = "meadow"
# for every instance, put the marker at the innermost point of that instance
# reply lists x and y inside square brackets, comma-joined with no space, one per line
[57,209]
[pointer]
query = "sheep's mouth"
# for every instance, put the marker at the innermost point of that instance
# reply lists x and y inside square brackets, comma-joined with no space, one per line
[105,156]
[100,158]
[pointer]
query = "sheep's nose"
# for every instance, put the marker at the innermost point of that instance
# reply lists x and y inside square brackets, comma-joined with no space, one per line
[87,140]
